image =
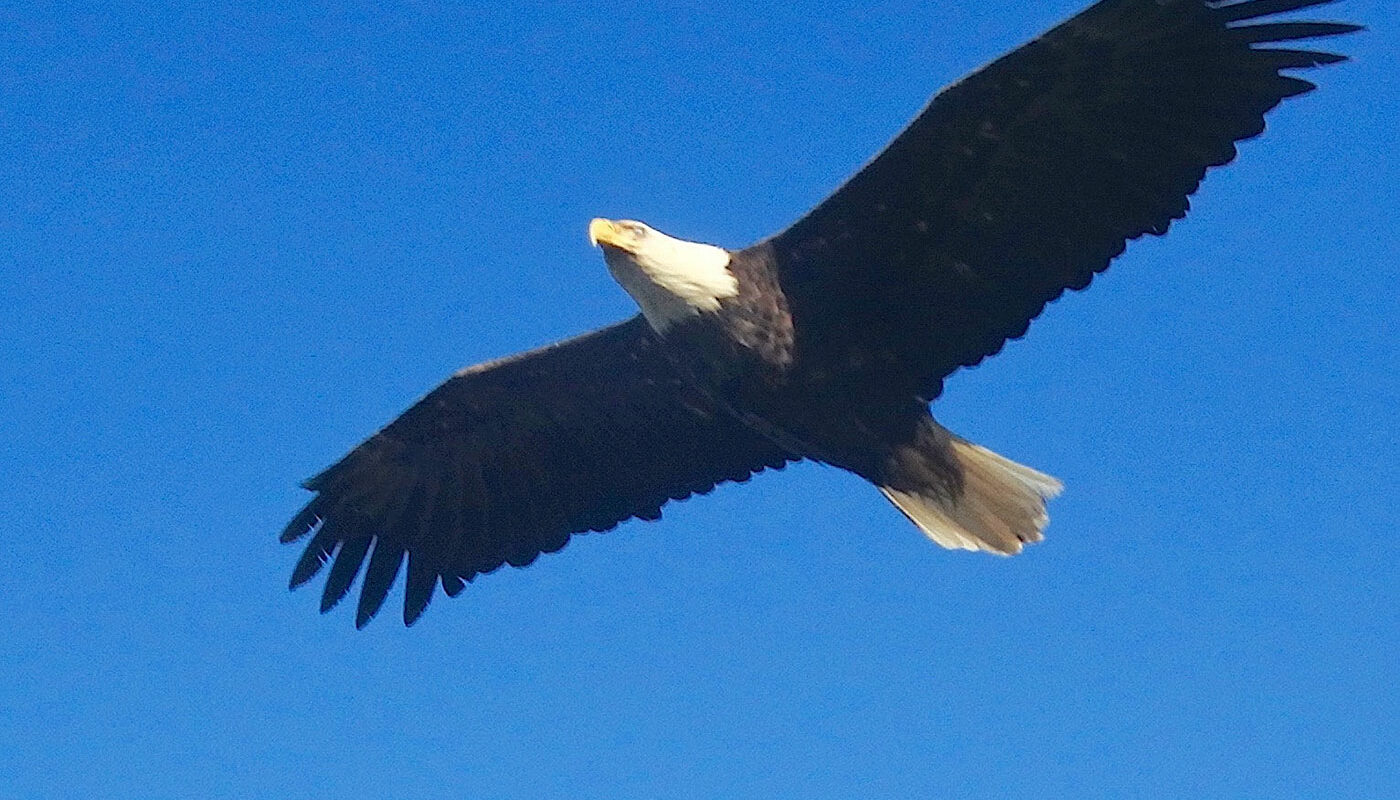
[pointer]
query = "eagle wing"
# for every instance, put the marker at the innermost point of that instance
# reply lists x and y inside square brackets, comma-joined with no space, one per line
[1030,176]
[507,459]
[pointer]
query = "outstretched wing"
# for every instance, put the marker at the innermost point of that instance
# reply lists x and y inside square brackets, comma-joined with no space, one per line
[1028,177]
[507,459]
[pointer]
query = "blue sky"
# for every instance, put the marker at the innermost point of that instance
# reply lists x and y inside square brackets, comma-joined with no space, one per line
[236,240]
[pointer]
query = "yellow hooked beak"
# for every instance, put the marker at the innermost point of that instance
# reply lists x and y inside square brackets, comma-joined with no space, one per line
[605,231]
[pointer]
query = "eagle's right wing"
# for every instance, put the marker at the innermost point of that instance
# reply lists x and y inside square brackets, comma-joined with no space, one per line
[507,459]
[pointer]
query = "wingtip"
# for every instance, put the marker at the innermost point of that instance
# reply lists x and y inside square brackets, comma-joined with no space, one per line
[452,585]
[302,524]
[411,614]
[301,578]
[363,617]
[1268,32]
[312,561]
[1257,9]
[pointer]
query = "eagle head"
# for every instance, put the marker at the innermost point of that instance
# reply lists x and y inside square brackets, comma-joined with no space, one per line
[671,279]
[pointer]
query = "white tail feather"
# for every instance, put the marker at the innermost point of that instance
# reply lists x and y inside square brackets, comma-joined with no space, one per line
[1001,507]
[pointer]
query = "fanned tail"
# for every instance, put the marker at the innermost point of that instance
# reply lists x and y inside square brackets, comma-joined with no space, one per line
[997,505]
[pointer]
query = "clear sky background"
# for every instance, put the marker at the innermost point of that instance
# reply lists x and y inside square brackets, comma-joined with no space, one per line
[235,240]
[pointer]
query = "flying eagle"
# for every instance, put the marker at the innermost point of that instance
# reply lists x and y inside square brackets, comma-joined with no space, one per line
[826,341]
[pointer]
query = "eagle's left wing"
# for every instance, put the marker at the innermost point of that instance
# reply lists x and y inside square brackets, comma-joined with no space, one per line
[1028,177]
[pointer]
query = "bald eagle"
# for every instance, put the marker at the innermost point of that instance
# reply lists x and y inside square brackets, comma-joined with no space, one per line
[829,340]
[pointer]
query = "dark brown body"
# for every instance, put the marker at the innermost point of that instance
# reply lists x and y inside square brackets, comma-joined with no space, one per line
[1013,186]
[837,406]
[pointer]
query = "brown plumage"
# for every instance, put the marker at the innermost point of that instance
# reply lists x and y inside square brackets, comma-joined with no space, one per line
[828,340]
